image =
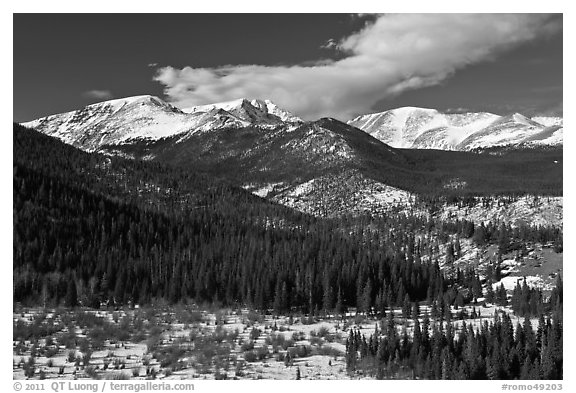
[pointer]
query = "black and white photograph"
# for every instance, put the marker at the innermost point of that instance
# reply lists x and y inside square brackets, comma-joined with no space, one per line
[287,196]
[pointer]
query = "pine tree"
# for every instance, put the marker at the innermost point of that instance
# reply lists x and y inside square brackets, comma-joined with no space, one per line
[339,308]
[71,294]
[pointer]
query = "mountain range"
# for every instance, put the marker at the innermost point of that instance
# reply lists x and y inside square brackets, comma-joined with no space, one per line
[323,167]
[122,121]
[421,128]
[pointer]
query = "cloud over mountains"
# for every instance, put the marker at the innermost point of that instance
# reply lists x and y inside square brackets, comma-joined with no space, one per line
[392,54]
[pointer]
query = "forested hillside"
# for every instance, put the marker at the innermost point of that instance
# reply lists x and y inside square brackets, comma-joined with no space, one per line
[96,231]
[85,224]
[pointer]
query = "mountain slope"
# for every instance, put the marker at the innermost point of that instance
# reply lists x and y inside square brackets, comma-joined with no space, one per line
[421,128]
[323,167]
[282,159]
[123,121]
[84,236]
[328,167]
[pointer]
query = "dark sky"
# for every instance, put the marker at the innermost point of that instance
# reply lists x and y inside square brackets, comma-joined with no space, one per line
[60,58]
[527,79]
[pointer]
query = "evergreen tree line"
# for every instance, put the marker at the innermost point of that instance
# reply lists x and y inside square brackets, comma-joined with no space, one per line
[69,240]
[495,350]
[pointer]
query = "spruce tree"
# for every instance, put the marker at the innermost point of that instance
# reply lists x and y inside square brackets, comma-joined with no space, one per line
[71,299]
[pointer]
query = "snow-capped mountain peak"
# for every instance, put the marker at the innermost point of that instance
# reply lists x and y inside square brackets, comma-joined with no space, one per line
[146,117]
[250,110]
[423,128]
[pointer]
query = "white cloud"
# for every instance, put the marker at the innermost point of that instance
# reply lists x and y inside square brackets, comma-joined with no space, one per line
[393,54]
[98,94]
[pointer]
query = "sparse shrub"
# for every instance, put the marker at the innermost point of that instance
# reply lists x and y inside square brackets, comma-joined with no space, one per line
[254,317]
[136,372]
[191,317]
[169,356]
[247,346]
[118,364]
[287,344]
[68,339]
[239,366]
[303,350]
[220,334]
[33,350]
[250,356]
[234,335]
[152,343]
[90,372]
[330,338]
[71,356]
[298,336]
[20,348]
[275,340]
[50,352]
[29,367]
[88,319]
[300,351]
[84,345]
[98,337]
[288,359]
[328,351]
[323,332]
[262,352]
[86,357]
[255,333]
[151,373]
[50,363]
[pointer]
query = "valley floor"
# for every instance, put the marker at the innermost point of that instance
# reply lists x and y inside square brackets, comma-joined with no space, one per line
[189,343]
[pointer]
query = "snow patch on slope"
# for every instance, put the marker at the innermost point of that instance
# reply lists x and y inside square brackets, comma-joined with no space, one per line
[510,282]
[526,210]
